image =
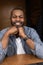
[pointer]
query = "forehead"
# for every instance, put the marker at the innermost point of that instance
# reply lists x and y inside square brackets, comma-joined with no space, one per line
[18,12]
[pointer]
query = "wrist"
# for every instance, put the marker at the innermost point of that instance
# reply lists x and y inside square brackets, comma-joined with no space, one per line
[25,38]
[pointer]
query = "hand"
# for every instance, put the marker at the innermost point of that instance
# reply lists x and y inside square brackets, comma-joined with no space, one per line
[21,32]
[12,30]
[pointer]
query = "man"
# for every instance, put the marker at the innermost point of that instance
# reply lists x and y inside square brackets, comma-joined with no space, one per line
[19,39]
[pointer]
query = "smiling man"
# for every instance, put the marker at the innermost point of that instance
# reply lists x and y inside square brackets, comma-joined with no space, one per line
[19,39]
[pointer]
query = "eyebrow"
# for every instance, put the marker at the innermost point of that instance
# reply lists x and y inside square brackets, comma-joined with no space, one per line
[19,15]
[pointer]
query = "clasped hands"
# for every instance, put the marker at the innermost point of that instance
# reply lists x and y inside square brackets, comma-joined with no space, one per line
[15,30]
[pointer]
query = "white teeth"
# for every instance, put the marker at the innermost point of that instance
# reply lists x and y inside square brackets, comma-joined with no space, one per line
[17,23]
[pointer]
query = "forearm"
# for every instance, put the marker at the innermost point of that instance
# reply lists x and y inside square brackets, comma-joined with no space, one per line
[4,40]
[36,48]
[2,52]
[30,43]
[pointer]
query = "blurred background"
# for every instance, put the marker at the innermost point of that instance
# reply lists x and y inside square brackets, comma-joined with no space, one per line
[33,9]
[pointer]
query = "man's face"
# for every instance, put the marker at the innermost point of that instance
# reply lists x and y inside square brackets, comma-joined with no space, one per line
[17,18]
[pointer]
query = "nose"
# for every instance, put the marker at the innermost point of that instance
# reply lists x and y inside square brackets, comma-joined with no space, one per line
[18,19]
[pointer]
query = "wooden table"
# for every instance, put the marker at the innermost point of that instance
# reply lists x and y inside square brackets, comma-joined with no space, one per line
[23,59]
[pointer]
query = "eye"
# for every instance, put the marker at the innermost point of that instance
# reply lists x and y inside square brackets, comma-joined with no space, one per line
[21,17]
[13,16]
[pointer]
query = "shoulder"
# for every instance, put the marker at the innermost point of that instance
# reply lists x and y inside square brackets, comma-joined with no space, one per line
[2,32]
[29,28]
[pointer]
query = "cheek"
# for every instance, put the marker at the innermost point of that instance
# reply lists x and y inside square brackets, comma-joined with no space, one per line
[13,19]
[22,20]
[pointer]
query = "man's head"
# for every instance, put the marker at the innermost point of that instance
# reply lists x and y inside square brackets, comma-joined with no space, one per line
[17,17]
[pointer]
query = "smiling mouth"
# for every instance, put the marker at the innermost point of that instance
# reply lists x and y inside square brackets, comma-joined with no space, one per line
[17,24]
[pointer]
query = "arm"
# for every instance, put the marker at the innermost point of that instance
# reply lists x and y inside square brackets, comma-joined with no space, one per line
[29,42]
[3,50]
[37,44]
[4,41]
[34,43]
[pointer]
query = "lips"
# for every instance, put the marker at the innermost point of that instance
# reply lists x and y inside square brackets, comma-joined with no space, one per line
[17,24]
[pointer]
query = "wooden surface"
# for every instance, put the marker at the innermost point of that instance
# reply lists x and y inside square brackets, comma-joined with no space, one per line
[21,60]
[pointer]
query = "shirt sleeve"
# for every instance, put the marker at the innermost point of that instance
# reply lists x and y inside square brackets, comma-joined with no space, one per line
[2,51]
[38,44]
